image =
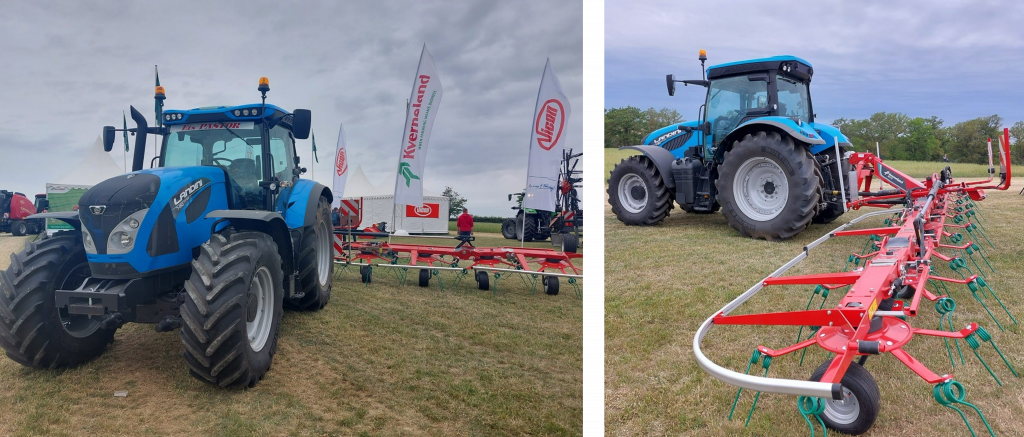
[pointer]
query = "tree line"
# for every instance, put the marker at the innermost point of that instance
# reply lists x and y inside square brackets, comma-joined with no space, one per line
[899,136]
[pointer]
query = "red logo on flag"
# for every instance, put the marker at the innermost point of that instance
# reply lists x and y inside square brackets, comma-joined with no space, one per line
[341,166]
[549,124]
[428,210]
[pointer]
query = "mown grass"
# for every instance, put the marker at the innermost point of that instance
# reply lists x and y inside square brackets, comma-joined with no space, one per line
[493,228]
[378,360]
[662,282]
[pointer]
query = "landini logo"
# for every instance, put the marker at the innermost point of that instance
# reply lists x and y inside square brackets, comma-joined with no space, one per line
[405,170]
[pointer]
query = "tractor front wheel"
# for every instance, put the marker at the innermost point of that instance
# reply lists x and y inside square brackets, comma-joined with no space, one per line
[508,229]
[232,316]
[33,331]
[768,188]
[857,410]
[637,193]
[316,266]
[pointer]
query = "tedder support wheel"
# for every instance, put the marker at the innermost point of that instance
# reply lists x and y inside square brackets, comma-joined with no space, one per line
[570,243]
[424,277]
[768,188]
[508,229]
[18,228]
[233,314]
[550,285]
[483,281]
[365,274]
[857,411]
[33,331]
[637,193]
[316,266]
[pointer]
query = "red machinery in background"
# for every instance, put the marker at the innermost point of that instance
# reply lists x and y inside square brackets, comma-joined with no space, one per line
[938,225]
[15,207]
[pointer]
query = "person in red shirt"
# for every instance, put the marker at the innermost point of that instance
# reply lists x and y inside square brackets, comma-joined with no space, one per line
[465,226]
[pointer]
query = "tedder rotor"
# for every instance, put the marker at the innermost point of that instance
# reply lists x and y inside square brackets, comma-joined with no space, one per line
[938,224]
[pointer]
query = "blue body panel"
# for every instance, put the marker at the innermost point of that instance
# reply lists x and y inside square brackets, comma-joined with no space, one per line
[226,111]
[771,59]
[189,235]
[830,134]
[804,129]
[298,201]
[667,133]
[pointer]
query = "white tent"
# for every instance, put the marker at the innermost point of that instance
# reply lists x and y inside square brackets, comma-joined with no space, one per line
[93,167]
[378,205]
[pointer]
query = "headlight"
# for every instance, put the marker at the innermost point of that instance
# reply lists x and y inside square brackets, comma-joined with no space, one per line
[90,247]
[122,237]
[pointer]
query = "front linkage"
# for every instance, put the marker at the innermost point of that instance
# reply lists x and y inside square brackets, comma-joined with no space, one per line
[890,277]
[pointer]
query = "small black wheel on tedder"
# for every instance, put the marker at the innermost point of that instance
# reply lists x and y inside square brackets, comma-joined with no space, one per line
[424,277]
[365,274]
[550,285]
[483,280]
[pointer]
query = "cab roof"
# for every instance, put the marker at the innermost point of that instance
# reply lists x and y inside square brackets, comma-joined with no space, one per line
[797,65]
[215,113]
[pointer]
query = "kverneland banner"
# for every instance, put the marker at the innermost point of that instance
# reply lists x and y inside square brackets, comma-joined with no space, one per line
[427,210]
[546,142]
[340,168]
[423,105]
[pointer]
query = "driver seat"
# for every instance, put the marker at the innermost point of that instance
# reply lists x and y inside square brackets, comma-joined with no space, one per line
[245,174]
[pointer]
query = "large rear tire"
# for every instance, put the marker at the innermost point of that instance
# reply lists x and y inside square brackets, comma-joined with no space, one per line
[316,262]
[233,314]
[508,229]
[637,192]
[857,411]
[33,331]
[768,188]
[527,231]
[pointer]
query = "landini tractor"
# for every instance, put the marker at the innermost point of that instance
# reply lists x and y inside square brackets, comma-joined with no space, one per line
[755,152]
[215,240]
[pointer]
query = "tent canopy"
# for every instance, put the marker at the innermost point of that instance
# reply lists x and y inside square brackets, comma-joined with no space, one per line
[93,167]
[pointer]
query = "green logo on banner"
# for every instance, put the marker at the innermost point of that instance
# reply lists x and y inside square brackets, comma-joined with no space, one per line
[405,170]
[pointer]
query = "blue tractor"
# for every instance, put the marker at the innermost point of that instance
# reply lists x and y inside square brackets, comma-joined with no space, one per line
[755,152]
[216,240]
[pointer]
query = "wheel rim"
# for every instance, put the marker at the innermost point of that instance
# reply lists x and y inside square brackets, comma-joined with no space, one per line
[845,410]
[260,309]
[323,251]
[78,326]
[633,193]
[760,189]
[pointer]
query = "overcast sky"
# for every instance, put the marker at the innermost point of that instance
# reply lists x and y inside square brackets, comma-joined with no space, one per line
[68,68]
[953,59]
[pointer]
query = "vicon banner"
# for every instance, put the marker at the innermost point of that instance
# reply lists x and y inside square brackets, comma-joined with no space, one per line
[427,210]
[423,105]
[546,142]
[340,168]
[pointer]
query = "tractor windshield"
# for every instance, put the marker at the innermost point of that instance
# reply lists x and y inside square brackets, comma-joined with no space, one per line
[729,101]
[234,146]
[793,99]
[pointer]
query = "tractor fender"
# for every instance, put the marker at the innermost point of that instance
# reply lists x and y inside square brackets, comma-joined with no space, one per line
[69,217]
[802,132]
[268,222]
[831,135]
[662,160]
[302,202]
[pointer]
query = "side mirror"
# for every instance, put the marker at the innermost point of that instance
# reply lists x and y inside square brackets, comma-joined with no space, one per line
[301,120]
[108,138]
[670,81]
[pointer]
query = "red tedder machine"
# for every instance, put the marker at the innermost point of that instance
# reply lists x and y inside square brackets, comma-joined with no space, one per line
[15,207]
[938,224]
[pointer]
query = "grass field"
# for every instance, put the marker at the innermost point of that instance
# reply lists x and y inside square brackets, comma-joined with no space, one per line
[491,228]
[378,360]
[662,282]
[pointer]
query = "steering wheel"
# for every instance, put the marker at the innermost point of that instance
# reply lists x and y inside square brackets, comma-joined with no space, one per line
[229,161]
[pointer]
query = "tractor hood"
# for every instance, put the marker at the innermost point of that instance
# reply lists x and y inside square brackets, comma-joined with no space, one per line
[142,221]
[672,138]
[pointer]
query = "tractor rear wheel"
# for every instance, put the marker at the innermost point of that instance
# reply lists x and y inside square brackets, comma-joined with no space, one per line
[527,231]
[18,228]
[316,266]
[508,229]
[570,243]
[33,331]
[768,188]
[857,411]
[637,192]
[233,314]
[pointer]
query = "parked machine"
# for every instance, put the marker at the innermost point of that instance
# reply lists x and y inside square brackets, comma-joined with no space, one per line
[14,210]
[567,223]
[755,152]
[215,239]
[529,224]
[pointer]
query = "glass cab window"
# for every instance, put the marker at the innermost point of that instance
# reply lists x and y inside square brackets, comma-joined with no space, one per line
[793,99]
[730,100]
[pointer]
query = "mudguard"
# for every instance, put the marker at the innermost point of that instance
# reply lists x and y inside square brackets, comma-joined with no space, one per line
[268,222]
[802,132]
[662,159]
[830,134]
[302,203]
[69,217]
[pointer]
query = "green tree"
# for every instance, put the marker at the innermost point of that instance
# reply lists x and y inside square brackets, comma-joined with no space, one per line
[921,142]
[455,202]
[965,141]
[629,125]
[1017,142]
